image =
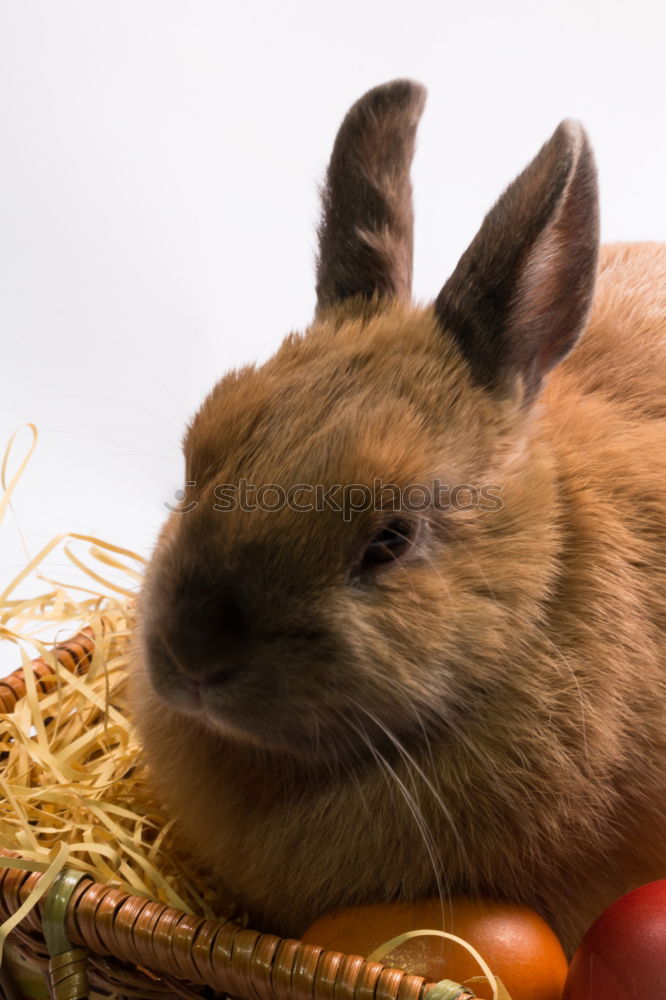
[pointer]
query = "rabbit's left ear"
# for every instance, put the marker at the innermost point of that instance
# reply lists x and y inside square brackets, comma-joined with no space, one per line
[520,295]
[366,231]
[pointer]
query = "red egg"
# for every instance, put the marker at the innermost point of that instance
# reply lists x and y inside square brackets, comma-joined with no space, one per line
[623,954]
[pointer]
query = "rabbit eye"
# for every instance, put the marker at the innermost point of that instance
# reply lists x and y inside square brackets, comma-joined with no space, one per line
[391,542]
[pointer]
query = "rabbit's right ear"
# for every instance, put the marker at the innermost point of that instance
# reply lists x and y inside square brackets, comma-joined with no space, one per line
[520,295]
[366,231]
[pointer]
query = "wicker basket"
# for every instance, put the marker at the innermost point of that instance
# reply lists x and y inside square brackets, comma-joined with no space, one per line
[87,939]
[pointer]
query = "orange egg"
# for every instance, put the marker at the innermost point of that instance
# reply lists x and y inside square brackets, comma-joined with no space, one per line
[516,943]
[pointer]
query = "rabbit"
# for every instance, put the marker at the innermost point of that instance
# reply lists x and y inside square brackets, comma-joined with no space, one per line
[348,702]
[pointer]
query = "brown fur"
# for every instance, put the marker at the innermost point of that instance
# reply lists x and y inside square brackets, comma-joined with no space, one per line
[487,713]
[365,235]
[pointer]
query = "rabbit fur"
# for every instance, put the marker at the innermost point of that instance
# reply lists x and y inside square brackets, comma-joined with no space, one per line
[484,712]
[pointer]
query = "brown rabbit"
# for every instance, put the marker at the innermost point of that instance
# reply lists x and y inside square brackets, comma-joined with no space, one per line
[361,698]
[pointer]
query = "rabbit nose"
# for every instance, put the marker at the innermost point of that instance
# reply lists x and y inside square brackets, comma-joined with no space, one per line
[196,666]
[201,632]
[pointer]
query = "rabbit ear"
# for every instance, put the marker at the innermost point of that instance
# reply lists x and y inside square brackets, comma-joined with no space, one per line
[365,235]
[519,297]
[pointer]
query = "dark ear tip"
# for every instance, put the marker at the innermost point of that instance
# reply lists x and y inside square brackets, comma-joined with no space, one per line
[570,138]
[567,157]
[401,94]
[572,128]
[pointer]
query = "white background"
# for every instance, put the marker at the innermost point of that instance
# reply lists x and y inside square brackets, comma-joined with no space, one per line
[159,162]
